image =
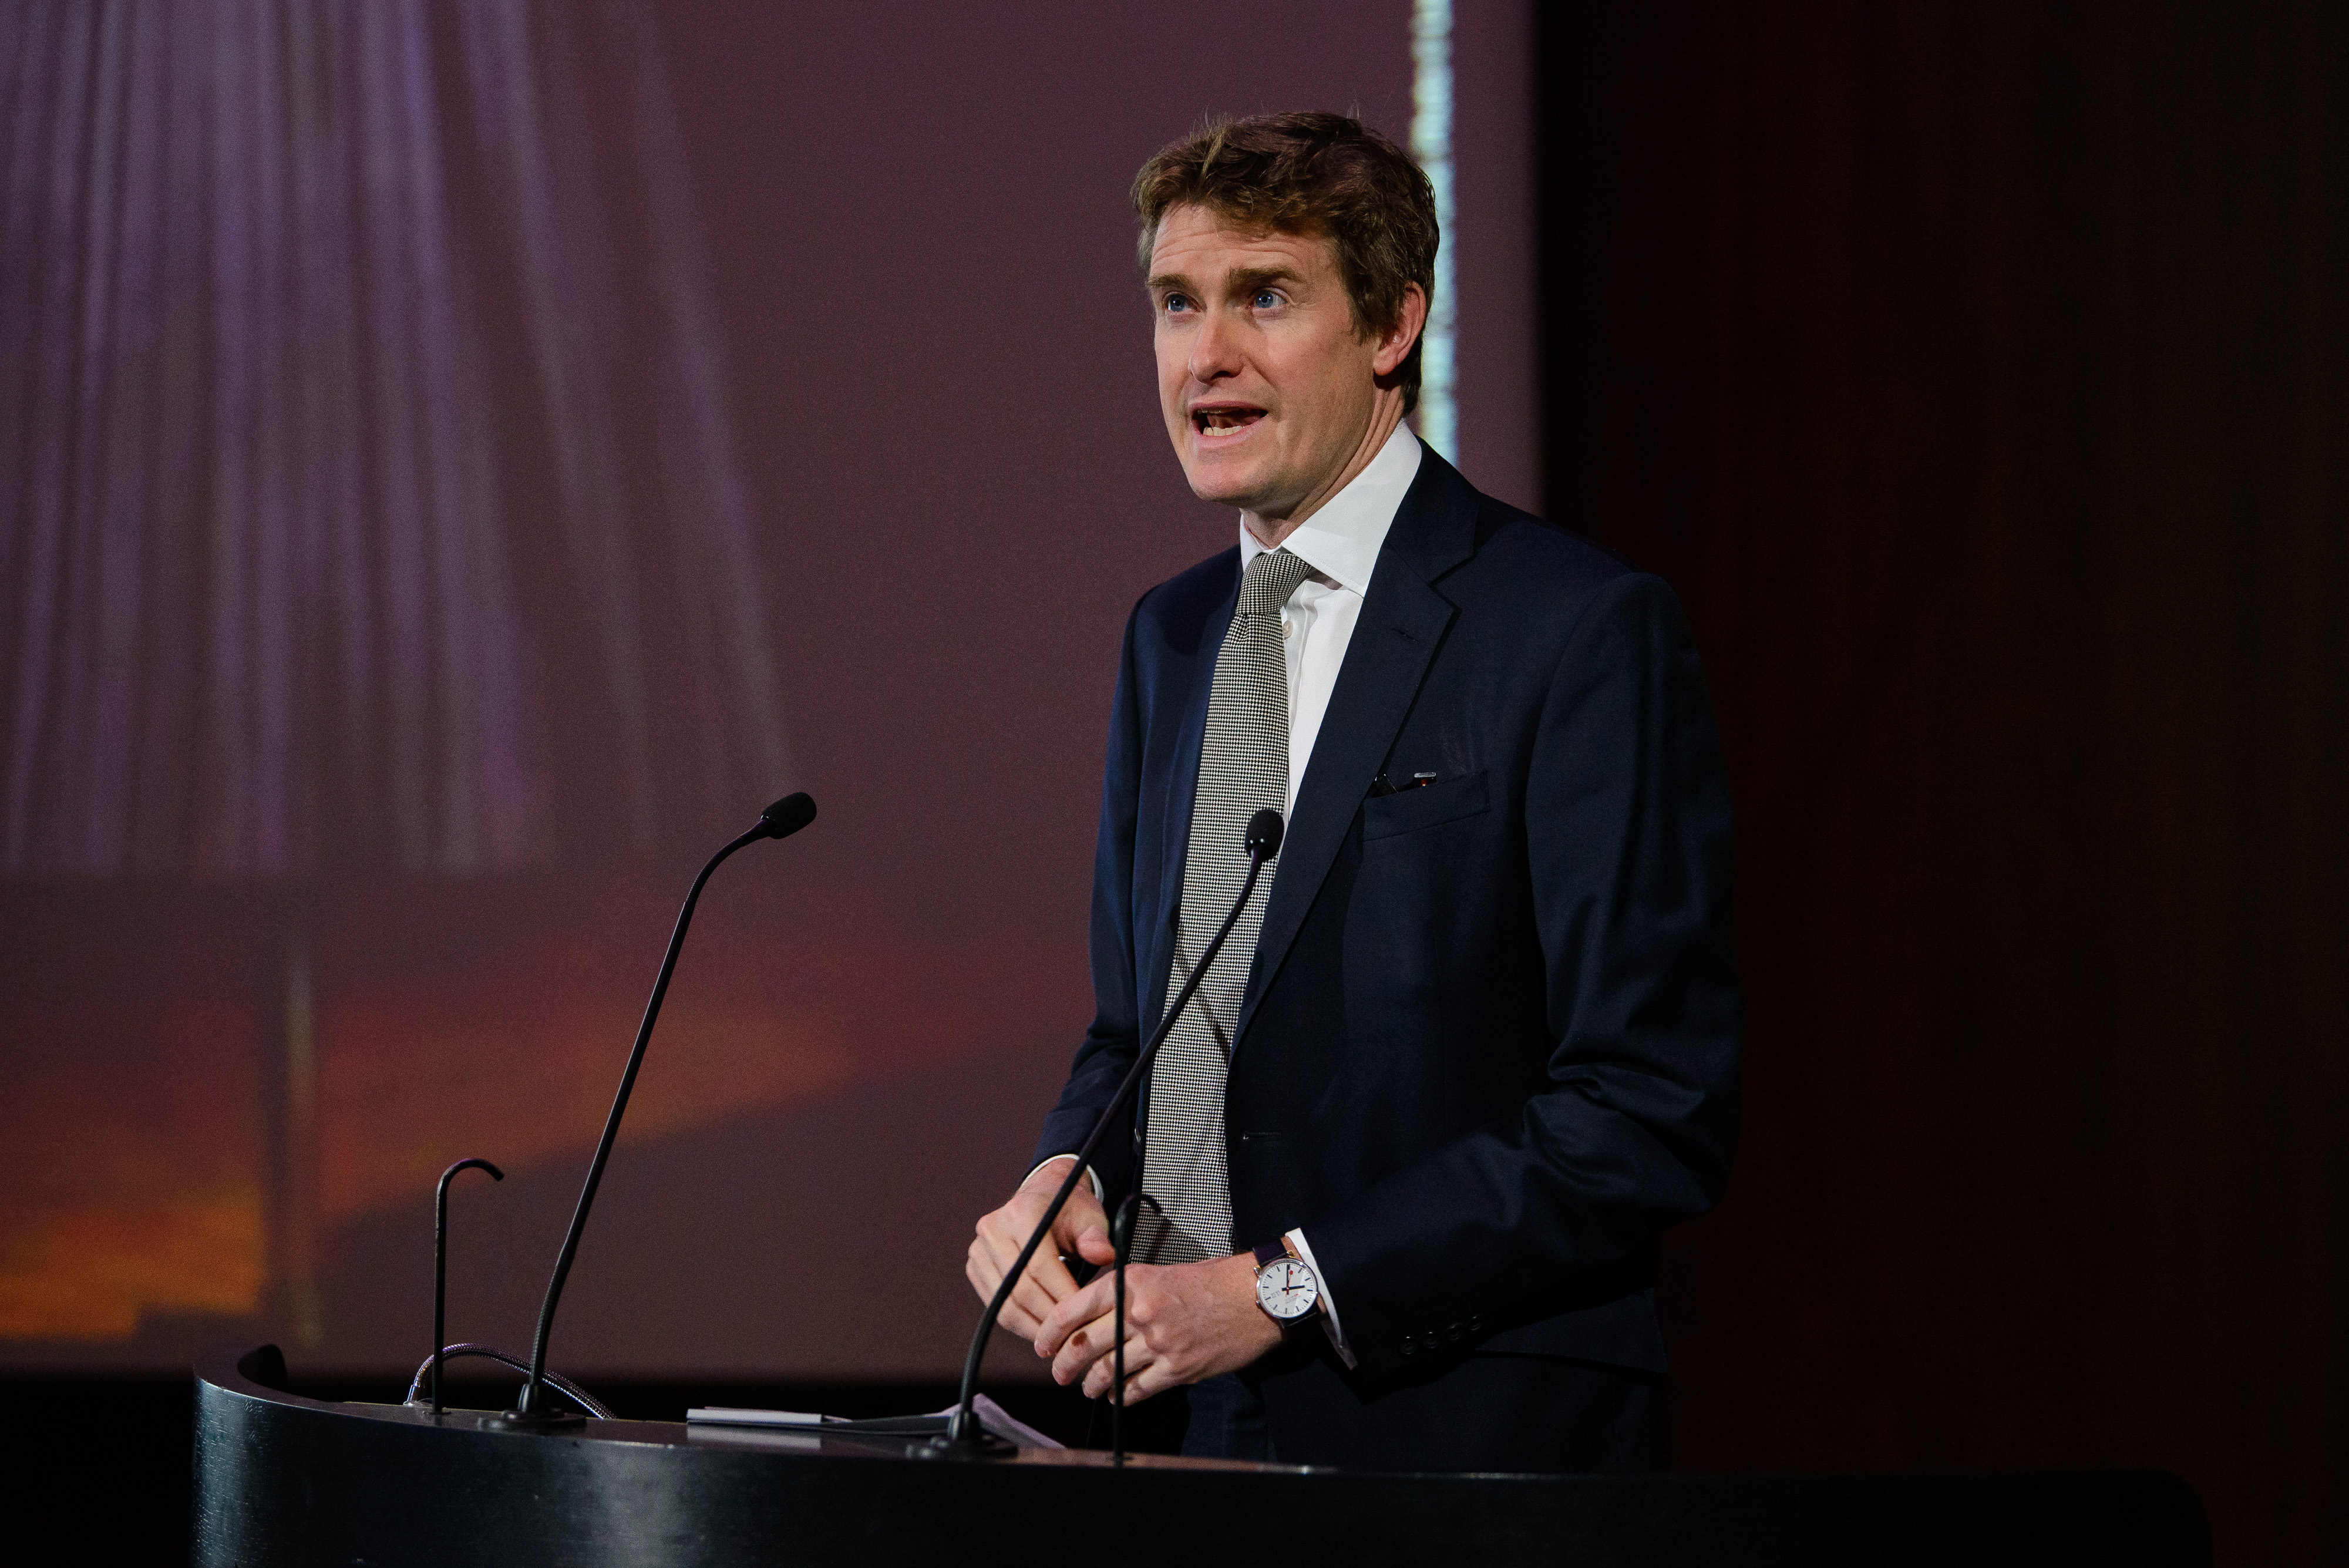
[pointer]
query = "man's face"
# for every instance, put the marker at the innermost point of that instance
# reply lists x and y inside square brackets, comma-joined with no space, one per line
[1269,388]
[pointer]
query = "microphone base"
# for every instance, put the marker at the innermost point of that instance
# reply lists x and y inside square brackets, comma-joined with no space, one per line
[945,1446]
[534,1421]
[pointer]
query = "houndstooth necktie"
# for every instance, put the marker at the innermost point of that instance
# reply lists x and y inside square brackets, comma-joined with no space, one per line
[1243,768]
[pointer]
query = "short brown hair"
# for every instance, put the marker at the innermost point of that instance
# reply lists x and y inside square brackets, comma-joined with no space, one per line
[1308,172]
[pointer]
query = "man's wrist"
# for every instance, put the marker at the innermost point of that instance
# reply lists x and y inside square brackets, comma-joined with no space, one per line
[1092,1176]
[1242,1287]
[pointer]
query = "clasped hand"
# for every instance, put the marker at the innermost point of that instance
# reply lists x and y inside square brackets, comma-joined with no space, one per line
[1183,1321]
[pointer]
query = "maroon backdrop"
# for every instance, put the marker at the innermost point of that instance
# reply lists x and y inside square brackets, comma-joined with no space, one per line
[915,249]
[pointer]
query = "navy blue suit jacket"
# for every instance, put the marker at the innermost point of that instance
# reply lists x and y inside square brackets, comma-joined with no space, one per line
[1488,1047]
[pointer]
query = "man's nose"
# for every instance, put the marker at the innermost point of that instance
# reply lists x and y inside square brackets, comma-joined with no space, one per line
[1214,350]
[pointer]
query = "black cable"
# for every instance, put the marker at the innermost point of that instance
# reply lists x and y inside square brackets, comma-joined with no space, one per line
[555,1380]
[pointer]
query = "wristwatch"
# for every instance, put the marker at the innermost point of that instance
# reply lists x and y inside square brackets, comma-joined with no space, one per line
[1286,1286]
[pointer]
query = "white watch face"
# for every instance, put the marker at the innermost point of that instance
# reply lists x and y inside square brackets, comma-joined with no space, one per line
[1287,1289]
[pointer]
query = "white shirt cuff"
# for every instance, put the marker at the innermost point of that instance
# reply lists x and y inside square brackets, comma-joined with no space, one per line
[1090,1175]
[1330,1324]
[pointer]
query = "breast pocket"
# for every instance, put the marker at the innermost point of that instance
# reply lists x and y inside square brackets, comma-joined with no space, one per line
[1409,810]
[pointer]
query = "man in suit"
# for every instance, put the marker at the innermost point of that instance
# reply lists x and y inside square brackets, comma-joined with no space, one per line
[1410,1151]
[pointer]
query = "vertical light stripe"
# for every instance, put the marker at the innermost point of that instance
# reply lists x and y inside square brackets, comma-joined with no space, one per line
[126,449]
[451,422]
[566,256]
[265,842]
[404,699]
[65,740]
[228,761]
[335,569]
[31,74]
[1431,143]
[298,1223]
[165,800]
[696,430]
[53,212]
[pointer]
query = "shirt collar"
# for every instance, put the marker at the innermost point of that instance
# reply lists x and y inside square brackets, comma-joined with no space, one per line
[1343,538]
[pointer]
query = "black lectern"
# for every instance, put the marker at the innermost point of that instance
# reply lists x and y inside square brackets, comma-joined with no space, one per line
[285,1479]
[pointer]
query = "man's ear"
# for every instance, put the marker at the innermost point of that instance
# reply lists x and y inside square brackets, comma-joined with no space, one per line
[1394,344]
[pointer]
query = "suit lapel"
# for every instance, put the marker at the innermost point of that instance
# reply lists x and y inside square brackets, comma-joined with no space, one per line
[1402,622]
[1182,794]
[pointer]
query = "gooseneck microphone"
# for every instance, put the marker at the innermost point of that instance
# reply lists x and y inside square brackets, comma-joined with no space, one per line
[780,820]
[964,1437]
[440,1263]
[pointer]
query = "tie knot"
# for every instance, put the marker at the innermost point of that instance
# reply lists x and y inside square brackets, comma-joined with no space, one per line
[1271,577]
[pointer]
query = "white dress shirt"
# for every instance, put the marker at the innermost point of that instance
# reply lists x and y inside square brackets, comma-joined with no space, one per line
[1341,543]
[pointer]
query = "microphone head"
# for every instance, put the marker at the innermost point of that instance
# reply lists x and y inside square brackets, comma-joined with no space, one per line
[789,814]
[1264,830]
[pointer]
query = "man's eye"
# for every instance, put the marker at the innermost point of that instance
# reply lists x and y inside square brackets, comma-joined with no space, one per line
[1178,302]
[1266,299]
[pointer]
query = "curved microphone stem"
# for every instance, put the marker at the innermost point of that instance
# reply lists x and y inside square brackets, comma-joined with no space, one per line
[964,1430]
[440,1263]
[531,1405]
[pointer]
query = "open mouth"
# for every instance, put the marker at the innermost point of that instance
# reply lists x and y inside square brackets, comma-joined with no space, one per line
[1210,419]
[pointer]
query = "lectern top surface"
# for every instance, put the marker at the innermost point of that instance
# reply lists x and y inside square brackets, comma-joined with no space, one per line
[837,1444]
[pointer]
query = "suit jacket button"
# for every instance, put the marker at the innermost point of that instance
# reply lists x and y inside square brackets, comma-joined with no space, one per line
[1410,1347]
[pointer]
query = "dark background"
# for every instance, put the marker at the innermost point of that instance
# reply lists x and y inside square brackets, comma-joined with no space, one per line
[1978,375]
